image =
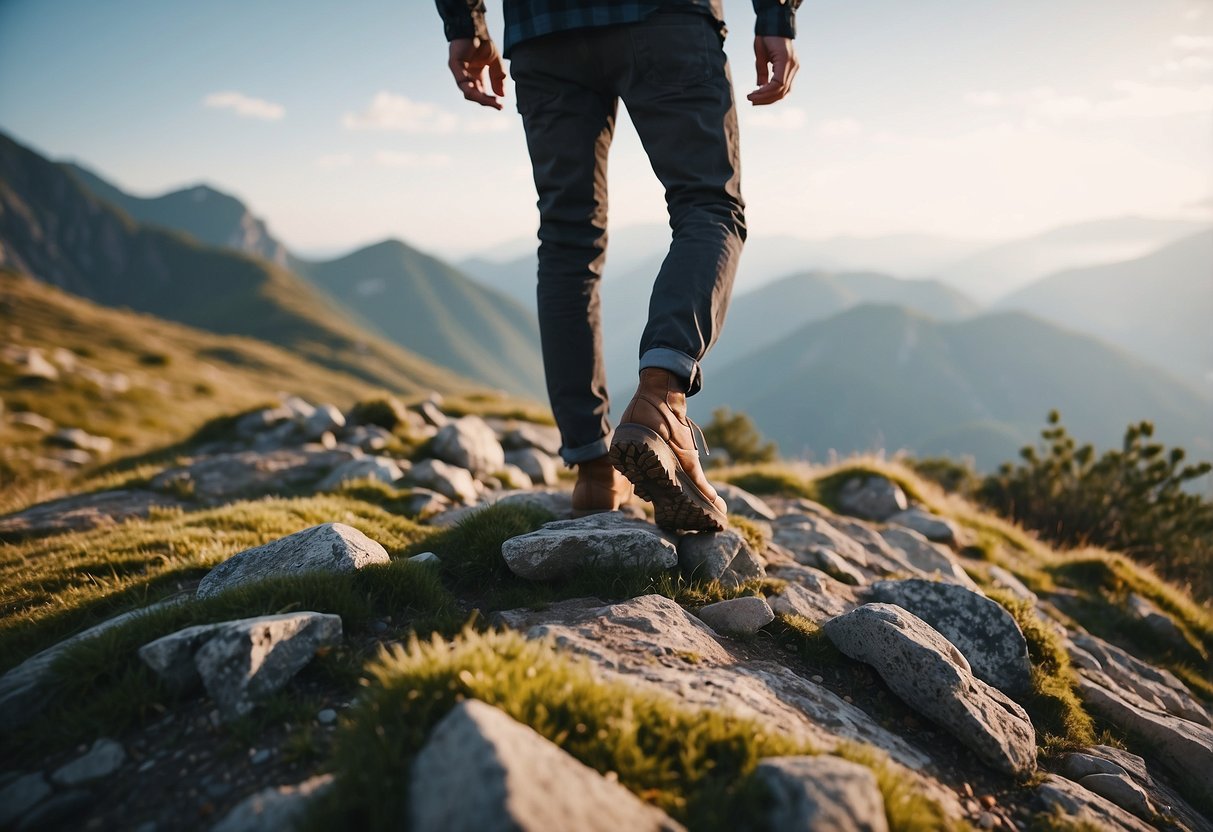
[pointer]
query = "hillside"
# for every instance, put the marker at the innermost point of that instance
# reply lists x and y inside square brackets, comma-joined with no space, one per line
[766,314]
[53,229]
[999,270]
[433,310]
[882,377]
[1158,307]
[209,216]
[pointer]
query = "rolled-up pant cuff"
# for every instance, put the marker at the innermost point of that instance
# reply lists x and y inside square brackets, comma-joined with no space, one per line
[676,362]
[585,453]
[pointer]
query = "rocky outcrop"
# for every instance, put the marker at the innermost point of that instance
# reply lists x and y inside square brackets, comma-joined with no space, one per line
[1081,804]
[329,547]
[480,771]
[599,541]
[934,678]
[821,792]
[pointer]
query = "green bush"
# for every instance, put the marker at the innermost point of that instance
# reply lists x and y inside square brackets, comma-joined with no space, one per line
[736,435]
[1130,500]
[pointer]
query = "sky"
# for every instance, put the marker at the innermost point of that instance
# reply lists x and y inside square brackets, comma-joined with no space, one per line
[339,123]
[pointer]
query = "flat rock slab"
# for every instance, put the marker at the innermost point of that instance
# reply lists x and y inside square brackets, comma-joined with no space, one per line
[822,792]
[225,477]
[927,672]
[931,526]
[981,629]
[600,541]
[329,547]
[927,558]
[1080,804]
[738,616]
[83,512]
[276,809]
[240,662]
[480,771]
[1144,685]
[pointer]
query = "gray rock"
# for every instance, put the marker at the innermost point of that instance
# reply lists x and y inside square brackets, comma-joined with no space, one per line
[450,481]
[323,419]
[1077,765]
[369,438]
[423,503]
[103,759]
[81,440]
[241,662]
[1146,686]
[481,771]
[1005,580]
[326,716]
[931,526]
[276,809]
[545,438]
[600,541]
[927,558]
[31,421]
[251,424]
[1161,624]
[512,477]
[800,533]
[21,795]
[298,409]
[85,511]
[934,678]
[872,498]
[811,594]
[430,412]
[1184,748]
[981,629]
[833,564]
[330,547]
[243,474]
[379,468]
[738,616]
[426,559]
[468,442]
[537,465]
[743,503]
[1122,791]
[1080,804]
[718,556]
[821,792]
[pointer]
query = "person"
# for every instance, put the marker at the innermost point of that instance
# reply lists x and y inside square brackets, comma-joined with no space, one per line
[572,62]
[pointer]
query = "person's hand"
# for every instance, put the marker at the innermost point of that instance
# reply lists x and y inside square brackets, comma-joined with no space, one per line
[775,60]
[479,73]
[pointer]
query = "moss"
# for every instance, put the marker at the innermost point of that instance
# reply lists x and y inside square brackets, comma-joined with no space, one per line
[829,485]
[768,479]
[756,536]
[383,410]
[471,549]
[693,764]
[807,639]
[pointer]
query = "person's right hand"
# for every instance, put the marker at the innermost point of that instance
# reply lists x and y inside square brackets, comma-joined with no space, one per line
[776,63]
[470,61]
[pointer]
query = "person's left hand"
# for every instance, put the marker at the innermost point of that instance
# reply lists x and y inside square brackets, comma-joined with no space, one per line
[478,70]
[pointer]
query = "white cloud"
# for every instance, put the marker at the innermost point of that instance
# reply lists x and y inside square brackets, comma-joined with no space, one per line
[778,117]
[839,128]
[1193,43]
[986,98]
[334,160]
[397,113]
[1126,100]
[1185,67]
[245,105]
[407,159]
[1194,13]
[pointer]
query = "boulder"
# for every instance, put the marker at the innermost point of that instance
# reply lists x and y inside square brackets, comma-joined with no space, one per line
[926,671]
[480,771]
[468,442]
[981,629]
[450,481]
[31,363]
[323,419]
[1079,804]
[872,498]
[537,465]
[276,809]
[1121,790]
[821,792]
[743,503]
[737,616]
[379,468]
[241,662]
[718,556]
[600,541]
[330,547]
[103,759]
[931,526]
[545,438]
[927,558]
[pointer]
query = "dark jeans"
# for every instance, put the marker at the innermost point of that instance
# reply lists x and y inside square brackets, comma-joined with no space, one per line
[671,72]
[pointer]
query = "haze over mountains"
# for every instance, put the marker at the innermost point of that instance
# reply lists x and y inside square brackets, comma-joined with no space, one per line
[823,353]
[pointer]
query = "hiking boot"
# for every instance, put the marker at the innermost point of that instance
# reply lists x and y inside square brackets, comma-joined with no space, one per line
[599,488]
[657,447]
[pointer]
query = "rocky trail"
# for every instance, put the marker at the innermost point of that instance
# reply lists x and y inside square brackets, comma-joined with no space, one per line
[875,669]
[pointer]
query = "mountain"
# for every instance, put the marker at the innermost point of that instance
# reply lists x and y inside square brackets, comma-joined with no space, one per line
[768,313]
[1159,306]
[883,377]
[1002,269]
[433,309]
[209,216]
[53,229]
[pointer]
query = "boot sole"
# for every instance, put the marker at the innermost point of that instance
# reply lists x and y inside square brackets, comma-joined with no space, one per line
[642,456]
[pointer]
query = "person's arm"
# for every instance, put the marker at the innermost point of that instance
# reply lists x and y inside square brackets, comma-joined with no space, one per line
[775,60]
[473,59]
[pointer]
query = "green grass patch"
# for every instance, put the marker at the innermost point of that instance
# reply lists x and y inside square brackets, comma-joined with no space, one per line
[829,485]
[807,639]
[693,764]
[775,480]
[756,535]
[906,808]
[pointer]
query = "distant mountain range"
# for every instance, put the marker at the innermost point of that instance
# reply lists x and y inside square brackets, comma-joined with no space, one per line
[881,377]
[1159,306]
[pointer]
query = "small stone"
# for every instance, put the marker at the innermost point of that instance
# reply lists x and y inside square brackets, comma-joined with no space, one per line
[469,442]
[931,526]
[987,801]
[451,481]
[378,468]
[327,716]
[426,559]
[260,756]
[31,421]
[320,421]
[738,616]
[52,813]
[275,809]
[102,760]
[986,821]
[1077,766]
[872,498]
[540,467]
[821,792]
[723,556]
[82,440]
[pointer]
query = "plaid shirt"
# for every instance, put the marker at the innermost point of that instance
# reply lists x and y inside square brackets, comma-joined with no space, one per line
[525,19]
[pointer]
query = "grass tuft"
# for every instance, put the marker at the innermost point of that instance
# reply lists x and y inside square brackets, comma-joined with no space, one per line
[906,808]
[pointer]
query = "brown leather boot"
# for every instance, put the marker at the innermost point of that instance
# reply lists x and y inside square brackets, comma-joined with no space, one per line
[657,447]
[599,488]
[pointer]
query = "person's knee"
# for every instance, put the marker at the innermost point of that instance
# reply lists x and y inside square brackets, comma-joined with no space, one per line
[721,215]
